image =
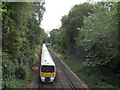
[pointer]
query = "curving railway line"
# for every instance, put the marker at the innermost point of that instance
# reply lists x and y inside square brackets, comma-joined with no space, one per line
[65,78]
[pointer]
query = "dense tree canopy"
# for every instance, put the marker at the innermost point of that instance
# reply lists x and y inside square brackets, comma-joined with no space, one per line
[21,37]
[91,33]
[39,9]
[74,20]
[99,36]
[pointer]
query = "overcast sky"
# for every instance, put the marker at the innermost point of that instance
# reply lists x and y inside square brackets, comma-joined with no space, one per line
[55,9]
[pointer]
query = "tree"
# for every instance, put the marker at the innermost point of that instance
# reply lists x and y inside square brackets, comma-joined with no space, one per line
[74,20]
[99,36]
[39,9]
[21,36]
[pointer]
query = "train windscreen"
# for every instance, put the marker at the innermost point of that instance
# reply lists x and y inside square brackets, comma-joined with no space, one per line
[47,69]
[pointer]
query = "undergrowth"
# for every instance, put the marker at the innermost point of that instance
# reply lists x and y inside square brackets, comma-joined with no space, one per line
[93,78]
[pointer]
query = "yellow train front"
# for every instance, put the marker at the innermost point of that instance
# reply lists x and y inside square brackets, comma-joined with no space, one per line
[47,73]
[47,68]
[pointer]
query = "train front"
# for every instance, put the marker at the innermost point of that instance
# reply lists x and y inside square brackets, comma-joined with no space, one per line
[47,73]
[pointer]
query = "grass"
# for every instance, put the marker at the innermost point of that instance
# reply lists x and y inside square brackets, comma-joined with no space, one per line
[92,78]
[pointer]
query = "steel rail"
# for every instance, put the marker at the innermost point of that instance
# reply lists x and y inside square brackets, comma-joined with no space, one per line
[59,64]
[67,72]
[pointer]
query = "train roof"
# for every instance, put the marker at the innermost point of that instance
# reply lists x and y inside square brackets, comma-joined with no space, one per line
[44,47]
[46,58]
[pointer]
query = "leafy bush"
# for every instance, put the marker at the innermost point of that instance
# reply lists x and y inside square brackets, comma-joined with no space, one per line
[20,72]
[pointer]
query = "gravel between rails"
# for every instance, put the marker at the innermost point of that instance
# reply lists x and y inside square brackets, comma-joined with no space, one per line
[73,79]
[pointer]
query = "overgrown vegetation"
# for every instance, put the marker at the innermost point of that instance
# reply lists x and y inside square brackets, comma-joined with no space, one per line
[94,77]
[90,32]
[21,40]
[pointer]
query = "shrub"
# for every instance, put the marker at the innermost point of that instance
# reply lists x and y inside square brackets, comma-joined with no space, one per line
[20,72]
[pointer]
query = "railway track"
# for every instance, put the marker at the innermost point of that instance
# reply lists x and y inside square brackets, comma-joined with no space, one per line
[65,79]
[60,82]
[73,80]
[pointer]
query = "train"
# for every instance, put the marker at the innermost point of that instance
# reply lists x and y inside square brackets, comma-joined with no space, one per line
[47,67]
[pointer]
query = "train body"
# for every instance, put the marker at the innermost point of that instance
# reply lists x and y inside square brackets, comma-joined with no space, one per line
[47,68]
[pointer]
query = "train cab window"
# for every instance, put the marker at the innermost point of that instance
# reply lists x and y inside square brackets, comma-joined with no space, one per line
[47,69]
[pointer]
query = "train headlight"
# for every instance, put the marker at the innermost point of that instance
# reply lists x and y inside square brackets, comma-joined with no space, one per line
[53,75]
[42,74]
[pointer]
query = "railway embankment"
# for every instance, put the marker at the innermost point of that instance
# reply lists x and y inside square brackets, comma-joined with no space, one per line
[94,77]
[34,80]
[71,77]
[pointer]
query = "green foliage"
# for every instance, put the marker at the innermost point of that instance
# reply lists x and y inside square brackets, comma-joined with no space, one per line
[10,41]
[53,36]
[21,37]
[91,33]
[39,9]
[74,20]
[99,36]
[8,68]
[48,40]
[20,72]
[65,36]
[100,79]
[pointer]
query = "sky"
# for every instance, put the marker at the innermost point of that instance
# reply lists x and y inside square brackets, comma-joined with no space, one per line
[55,9]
